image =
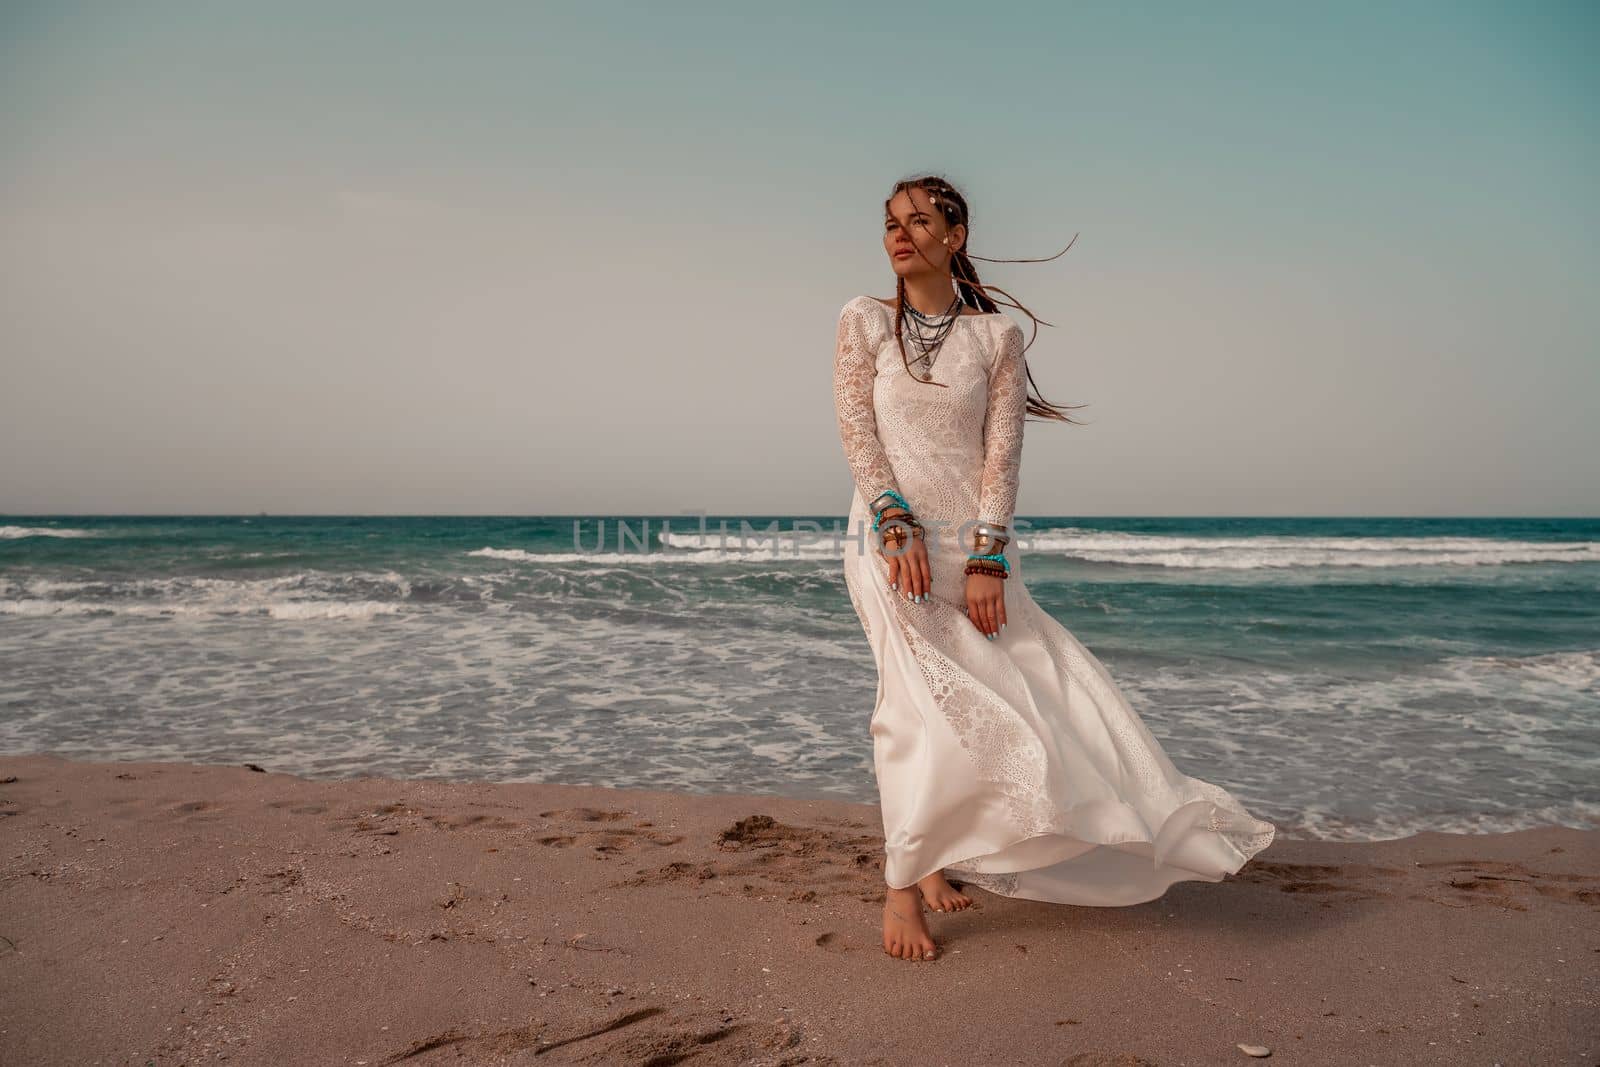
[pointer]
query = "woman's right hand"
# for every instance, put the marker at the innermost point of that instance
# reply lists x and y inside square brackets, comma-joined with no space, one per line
[909,573]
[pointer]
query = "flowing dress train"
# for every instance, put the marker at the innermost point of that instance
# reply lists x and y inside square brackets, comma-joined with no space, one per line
[1016,764]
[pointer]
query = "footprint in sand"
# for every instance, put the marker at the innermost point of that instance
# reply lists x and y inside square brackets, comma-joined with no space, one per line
[808,862]
[396,817]
[586,814]
[198,811]
[1354,880]
[601,834]
[1505,885]
[650,1034]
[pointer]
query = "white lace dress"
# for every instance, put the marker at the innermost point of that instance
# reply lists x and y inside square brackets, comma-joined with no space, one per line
[1015,764]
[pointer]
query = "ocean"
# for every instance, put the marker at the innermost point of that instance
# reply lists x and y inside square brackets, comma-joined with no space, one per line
[1345,678]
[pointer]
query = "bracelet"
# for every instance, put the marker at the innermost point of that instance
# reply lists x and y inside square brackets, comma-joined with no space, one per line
[895,534]
[878,518]
[989,536]
[896,498]
[994,563]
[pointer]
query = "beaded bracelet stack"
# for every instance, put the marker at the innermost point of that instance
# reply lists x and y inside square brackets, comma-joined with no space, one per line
[895,535]
[895,500]
[993,562]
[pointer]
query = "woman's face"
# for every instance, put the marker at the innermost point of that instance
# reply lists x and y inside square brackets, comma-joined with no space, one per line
[914,235]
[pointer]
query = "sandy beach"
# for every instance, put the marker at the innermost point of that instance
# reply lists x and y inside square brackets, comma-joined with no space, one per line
[167,913]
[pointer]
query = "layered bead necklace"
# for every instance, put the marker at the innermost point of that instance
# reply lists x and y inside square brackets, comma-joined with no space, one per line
[927,334]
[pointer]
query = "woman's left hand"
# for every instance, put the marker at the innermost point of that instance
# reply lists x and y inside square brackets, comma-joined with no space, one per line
[986,603]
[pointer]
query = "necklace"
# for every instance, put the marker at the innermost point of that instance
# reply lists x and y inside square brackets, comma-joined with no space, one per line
[928,333]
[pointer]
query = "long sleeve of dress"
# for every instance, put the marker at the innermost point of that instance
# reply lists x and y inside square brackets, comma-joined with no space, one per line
[854,370]
[1002,430]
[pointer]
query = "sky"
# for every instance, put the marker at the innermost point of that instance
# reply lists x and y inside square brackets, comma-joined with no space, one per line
[406,258]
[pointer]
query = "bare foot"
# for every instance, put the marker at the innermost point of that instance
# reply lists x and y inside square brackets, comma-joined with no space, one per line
[941,895]
[905,932]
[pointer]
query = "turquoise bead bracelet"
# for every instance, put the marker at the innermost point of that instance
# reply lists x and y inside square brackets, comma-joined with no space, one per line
[877,516]
[997,556]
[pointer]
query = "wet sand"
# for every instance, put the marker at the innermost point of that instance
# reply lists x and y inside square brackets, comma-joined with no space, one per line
[173,913]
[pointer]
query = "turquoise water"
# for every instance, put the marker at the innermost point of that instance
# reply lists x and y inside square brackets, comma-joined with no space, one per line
[1347,678]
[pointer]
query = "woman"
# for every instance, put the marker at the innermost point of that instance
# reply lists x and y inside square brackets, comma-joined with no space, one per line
[1004,752]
